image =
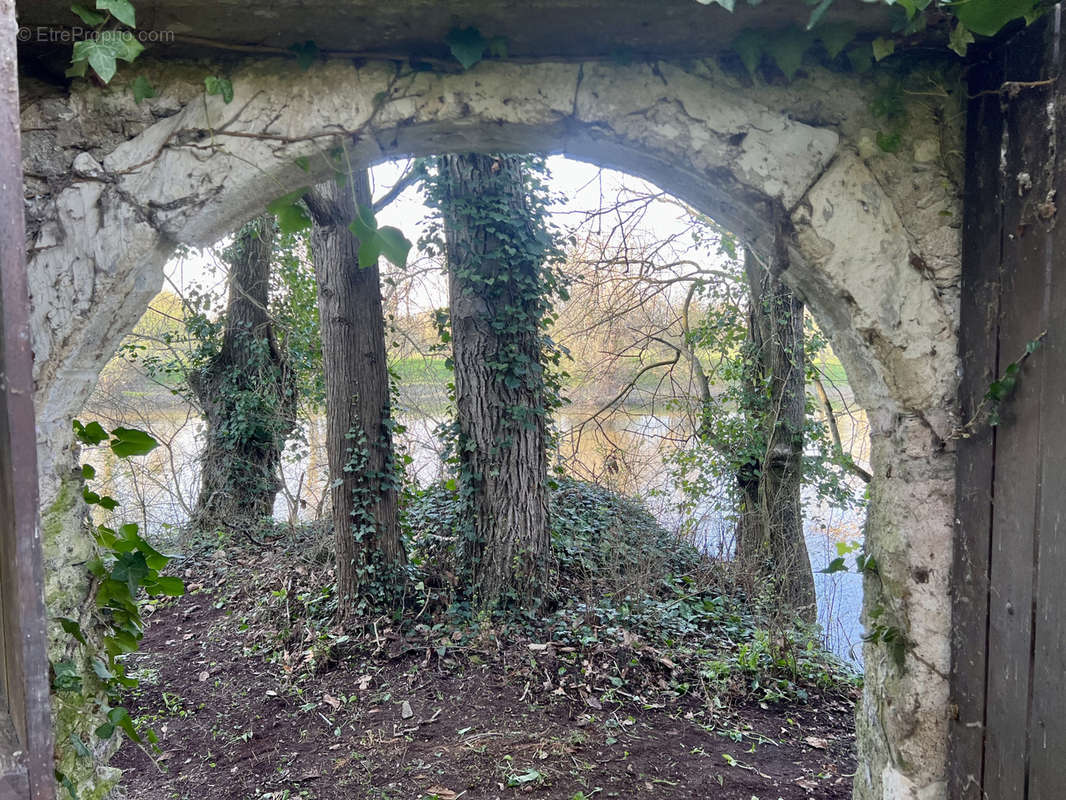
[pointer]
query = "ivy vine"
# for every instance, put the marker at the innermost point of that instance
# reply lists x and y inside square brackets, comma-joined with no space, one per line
[123,565]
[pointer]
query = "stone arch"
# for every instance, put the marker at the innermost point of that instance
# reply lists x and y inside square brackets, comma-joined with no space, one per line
[872,251]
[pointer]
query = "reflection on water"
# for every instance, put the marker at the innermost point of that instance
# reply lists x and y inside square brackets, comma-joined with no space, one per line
[624,454]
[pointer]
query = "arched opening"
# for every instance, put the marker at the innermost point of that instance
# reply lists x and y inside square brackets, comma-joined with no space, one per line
[879,281]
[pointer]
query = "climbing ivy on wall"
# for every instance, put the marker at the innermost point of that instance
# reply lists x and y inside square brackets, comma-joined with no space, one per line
[123,566]
[113,21]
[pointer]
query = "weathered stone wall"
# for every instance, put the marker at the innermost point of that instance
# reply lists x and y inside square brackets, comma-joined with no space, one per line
[875,241]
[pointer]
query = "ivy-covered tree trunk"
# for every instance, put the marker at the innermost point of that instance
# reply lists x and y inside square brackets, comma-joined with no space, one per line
[358,414]
[495,245]
[247,393]
[770,543]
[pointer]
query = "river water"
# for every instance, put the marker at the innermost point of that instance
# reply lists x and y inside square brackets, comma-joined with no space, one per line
[623,453]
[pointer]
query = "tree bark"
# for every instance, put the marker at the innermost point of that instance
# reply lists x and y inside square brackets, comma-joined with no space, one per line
[770,541]
[496,313]
[247,393]
[358,408]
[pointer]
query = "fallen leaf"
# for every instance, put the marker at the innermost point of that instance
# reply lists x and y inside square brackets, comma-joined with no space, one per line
[441,793]
[405,710]
[817,743]
[334,703]
[203,676]
[364,682]
[590,700]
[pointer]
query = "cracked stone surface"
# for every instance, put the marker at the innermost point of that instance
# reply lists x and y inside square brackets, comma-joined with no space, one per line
[113,187]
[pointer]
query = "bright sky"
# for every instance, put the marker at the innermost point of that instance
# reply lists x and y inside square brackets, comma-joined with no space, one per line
[582,186]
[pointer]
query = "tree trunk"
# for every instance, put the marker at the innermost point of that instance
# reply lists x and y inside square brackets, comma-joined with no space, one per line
[496,307]
[770,541]
[247,393]
[358,410]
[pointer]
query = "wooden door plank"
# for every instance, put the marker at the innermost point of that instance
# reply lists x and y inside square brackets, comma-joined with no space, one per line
[979,330]
[1017,471]
[1047,732]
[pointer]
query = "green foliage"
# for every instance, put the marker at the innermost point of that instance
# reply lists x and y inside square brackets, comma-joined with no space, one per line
[879,631]
[107,43]
[375,242]
[1000,390]
[988,17]
[123,566]
[215,85]
[619,577]
[787,47]
[469,46]
[102,53]
[294,309]
[306,54]
[290,212]
[142,89]
[734,425]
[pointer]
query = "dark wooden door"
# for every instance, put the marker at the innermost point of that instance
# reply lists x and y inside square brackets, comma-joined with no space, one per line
[1008,737]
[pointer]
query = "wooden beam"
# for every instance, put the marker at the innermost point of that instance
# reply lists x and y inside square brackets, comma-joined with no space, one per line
[25,661]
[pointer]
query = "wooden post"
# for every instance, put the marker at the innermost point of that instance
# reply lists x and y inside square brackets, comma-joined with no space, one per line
[26,746]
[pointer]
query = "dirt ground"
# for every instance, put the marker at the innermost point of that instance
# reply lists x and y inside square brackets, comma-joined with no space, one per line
[380,721]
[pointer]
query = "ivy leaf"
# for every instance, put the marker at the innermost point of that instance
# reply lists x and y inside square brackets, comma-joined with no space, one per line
[142,89]
[101,670]
[292,218]
[88,472]
[107,503]
[91,434]
[128,442]
[98,56]
[77,69]
[88,16]
[122,10]
[988,17]
[883,47]
[836,36]
[787,49]
[836,565]
[959,39]
[365,225]
[467,45]
[79,747]
[169,586]
[910,6]
[67,678]
[728,5]
[394,245]
[306,54]
[750,45]
[72,628]
[860,57]
[220,86]
[304,163]
[130,569]
[103,53]
[369,252]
